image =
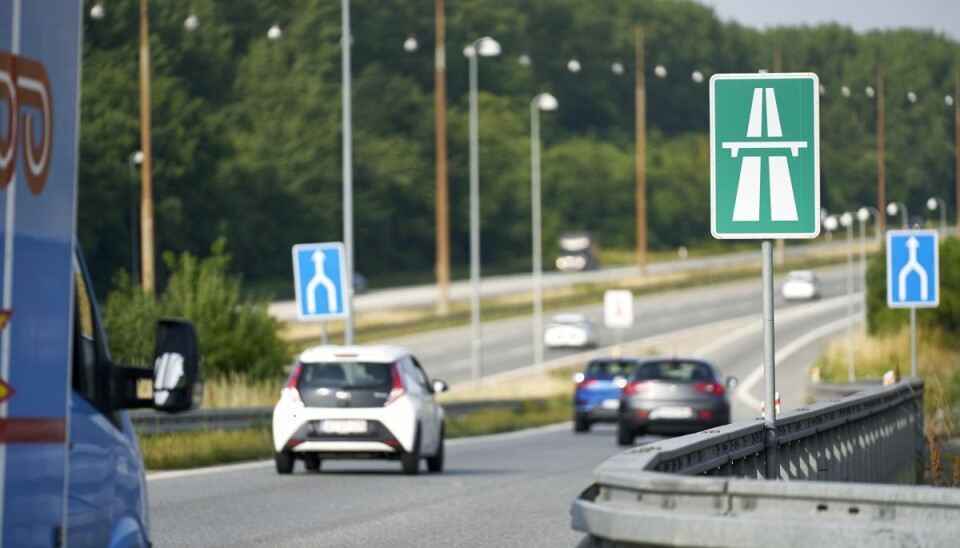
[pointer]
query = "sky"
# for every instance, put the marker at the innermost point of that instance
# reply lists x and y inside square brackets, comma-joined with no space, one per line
[943,16]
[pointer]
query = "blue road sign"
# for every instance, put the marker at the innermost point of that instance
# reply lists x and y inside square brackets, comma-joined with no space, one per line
[913,269]
[320,280]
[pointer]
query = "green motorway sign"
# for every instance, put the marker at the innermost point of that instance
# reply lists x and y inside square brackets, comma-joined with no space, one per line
[765,156]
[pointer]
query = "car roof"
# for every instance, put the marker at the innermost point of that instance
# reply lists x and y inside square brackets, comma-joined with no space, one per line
[800,274]
[569,318]
[353,353]
[660,359]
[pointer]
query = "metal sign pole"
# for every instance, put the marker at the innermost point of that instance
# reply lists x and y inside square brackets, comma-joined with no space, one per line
[913,341]
[769,365]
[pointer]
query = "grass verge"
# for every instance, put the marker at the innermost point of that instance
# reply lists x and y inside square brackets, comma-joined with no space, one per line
[194,449]
[936,365]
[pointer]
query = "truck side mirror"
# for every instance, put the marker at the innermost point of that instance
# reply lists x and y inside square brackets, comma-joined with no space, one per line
[177,384]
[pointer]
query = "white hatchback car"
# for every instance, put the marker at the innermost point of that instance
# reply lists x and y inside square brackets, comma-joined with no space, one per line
[570,331]
[358,402]
[801,285]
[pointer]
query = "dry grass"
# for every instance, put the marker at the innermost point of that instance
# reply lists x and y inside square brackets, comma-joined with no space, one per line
[937,365]
[193,449]
[237,390]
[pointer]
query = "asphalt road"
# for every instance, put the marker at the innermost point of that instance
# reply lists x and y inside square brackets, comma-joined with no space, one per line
[510,490]
[508,344]
[492,286]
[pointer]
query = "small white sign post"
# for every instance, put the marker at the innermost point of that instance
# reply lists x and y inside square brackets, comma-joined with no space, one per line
[618,311]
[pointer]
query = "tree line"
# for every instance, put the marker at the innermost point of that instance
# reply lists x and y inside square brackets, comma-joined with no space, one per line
[247,130]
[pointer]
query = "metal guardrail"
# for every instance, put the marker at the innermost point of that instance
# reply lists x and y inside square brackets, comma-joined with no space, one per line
[153,422]
[702,489]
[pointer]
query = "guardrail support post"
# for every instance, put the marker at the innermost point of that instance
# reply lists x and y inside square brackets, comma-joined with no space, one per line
[769,365]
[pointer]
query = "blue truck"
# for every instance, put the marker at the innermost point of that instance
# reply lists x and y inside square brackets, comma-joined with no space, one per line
[71,472]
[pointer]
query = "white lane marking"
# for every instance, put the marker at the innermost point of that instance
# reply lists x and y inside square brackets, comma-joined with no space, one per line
[255,465]
[743,391]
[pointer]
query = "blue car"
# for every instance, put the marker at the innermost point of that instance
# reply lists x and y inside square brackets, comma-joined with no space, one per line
[597,394]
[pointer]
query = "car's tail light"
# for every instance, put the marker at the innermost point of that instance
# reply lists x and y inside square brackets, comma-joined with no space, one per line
[710,388]
[705,415]
[642,414]
[398,388]
[289,391]
[588,383]
[636,386]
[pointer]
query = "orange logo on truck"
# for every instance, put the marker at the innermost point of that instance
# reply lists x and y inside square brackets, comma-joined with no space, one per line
[25,89]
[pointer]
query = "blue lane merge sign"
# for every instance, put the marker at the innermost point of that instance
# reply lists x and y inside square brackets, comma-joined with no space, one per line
[913,269]
[320,274]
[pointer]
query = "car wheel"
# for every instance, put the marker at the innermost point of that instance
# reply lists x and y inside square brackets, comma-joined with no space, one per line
[625,436]
[435,463]
[410,461]
[284,460]
[581,424]
[312,462]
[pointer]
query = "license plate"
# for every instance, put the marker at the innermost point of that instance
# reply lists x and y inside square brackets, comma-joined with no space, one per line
[671,413]
[611,404]
[343,427]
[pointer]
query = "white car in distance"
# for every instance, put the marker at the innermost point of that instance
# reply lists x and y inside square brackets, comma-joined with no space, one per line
[801,285]
[570,331]
[358,402]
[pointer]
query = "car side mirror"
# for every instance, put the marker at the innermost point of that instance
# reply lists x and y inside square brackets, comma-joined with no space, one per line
[440,386]
[731,382]
[177,384]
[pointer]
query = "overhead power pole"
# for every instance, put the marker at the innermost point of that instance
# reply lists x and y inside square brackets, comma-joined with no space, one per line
[146,170]
[442,267]
[641,152]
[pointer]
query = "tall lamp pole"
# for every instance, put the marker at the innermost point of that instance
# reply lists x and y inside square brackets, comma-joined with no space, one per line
[442,206]
[346,38]
[146,170]
[881,161]
[544,101]
[932,204]
[486,47]
[640,98]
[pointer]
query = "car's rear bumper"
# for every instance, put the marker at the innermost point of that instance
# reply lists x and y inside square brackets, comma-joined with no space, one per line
[702,418]
[599,415]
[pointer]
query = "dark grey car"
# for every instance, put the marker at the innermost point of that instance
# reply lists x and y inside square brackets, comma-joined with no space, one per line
[672,396]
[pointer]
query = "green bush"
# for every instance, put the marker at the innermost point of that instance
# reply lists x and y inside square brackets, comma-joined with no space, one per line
[236,335]
[882,319]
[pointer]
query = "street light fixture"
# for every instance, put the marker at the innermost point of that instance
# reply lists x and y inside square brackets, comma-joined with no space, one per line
[617,68]
[912,97]
[573,65]
[932,204]
[894,207]
[845,91]
[547,102]
[660,71]
[274,33]
[524,60]
[191,23]
[697,77]
[97,12]
[410,45]
[485,47]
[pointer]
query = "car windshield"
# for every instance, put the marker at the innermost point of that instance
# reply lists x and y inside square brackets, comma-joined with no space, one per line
[346,375]
[800,276]
[675,371]
[608,369]
[568,319]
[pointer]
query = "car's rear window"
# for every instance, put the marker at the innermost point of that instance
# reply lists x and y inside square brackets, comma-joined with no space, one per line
[608,369]
[346,375]
[676,371]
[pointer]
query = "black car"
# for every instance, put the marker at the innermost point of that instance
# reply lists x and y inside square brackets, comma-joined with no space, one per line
[672,396]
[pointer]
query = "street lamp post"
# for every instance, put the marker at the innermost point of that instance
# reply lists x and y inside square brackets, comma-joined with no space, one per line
[863,215]
[544,101]
[932,204]
[894,207]
[136,159]
[846,221]
[346,39]
[486,47]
